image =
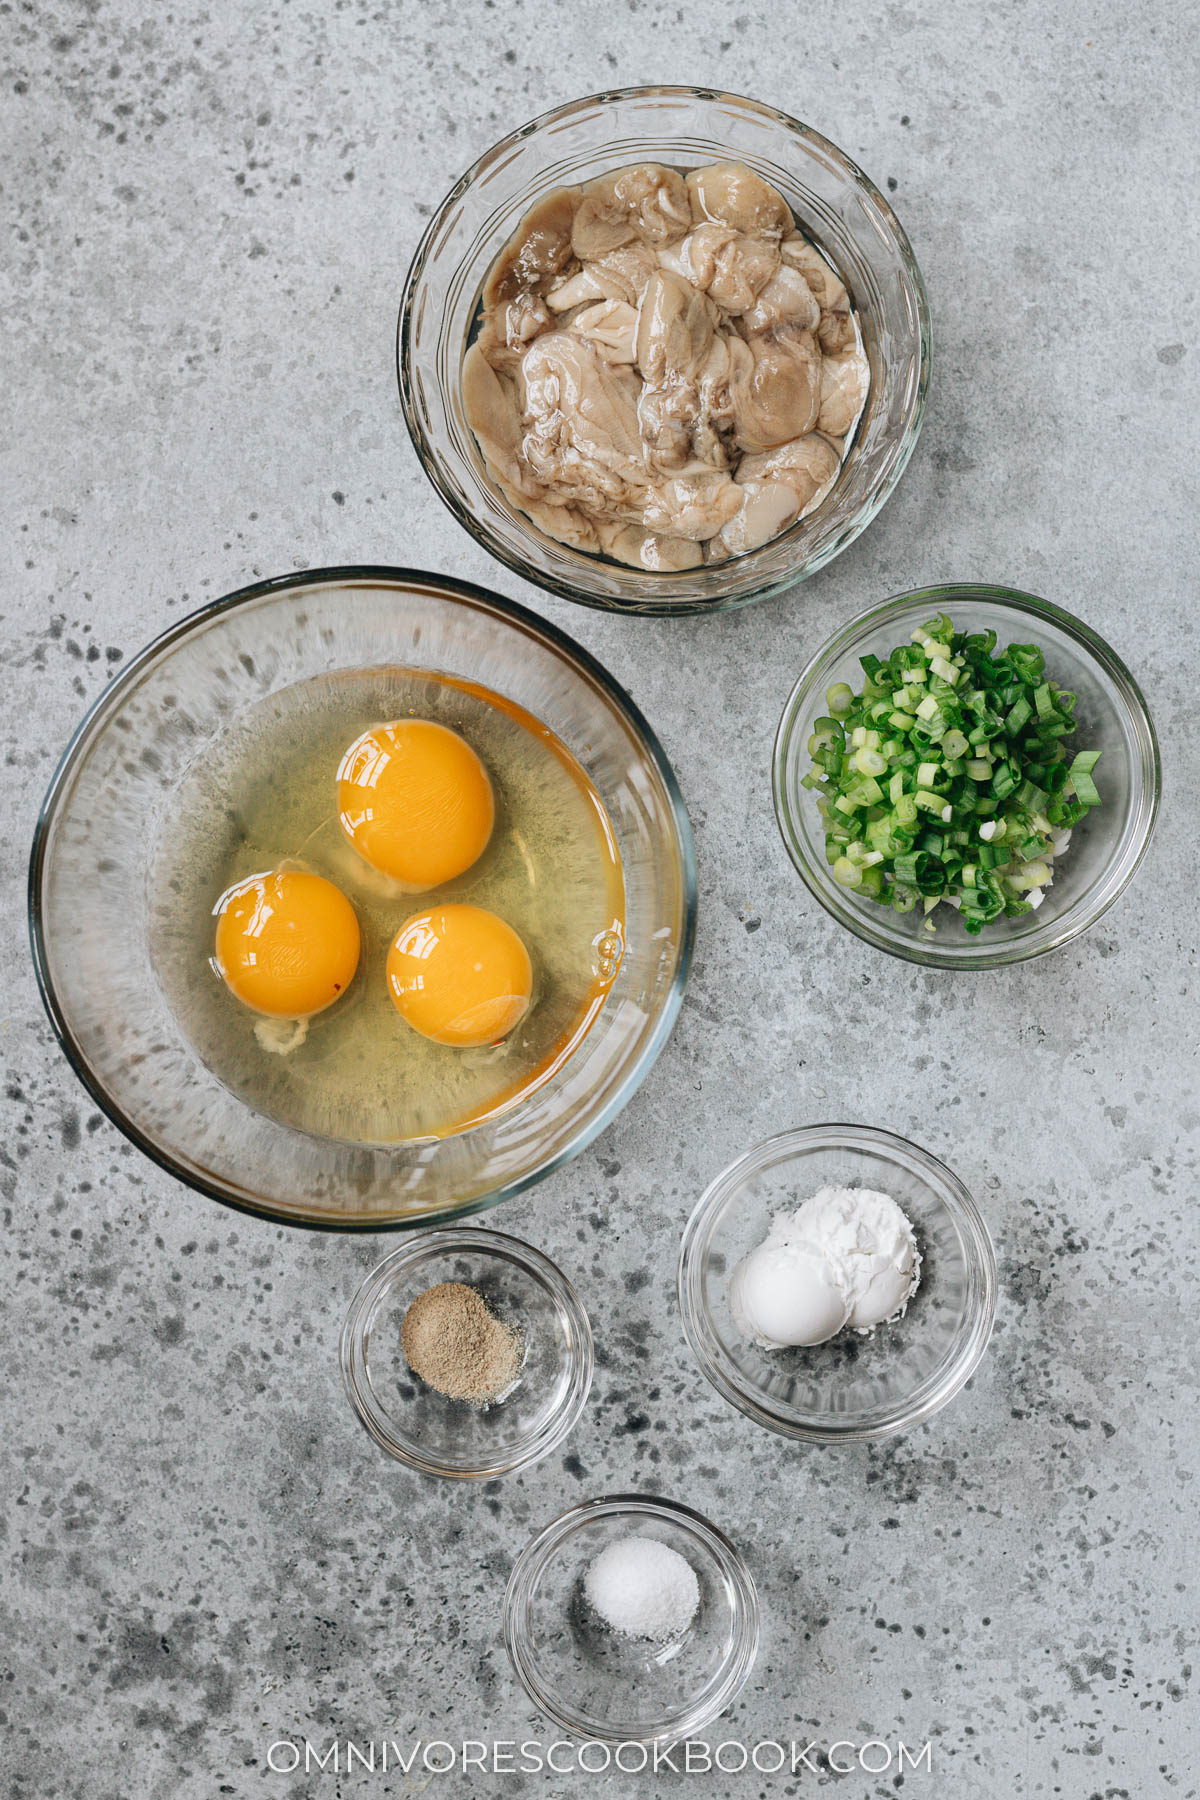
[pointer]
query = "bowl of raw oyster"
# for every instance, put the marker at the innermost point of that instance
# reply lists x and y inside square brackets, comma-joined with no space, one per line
[664,350]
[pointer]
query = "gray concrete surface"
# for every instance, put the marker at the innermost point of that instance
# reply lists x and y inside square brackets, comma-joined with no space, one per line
[209,209]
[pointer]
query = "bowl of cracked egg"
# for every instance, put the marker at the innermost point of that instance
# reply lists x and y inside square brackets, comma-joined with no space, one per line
[664,350]
[362,898]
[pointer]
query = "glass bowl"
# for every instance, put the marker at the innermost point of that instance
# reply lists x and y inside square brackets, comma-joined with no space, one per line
[598,1684]
[1106,846]
[421,1427]
[113,793]
[834,202]
[853,1387]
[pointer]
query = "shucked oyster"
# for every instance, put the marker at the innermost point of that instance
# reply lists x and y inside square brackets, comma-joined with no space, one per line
[667,371]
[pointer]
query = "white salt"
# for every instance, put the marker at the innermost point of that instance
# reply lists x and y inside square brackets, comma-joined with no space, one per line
[643,1588]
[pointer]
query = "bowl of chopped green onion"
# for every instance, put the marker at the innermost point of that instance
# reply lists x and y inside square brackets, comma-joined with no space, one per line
[966,776]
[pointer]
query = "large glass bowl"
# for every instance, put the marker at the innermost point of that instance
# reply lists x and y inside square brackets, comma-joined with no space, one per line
[113,793]
[854,1387]
[835,204]
[598,1684]
[1106,846]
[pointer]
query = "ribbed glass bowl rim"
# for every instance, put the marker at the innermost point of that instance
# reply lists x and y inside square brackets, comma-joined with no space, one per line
[556,584]
[543,1546]
[830,1428]
[95,719]
[946,597]
[361,1314]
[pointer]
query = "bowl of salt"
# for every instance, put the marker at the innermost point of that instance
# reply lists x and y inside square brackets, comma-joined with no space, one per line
[631,1619]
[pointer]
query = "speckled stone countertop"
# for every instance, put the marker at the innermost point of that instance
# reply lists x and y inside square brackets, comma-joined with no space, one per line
[209,212]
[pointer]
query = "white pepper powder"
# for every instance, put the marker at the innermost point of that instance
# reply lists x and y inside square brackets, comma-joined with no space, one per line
[453,1340]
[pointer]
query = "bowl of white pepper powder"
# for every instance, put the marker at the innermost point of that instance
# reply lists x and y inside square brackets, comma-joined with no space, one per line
[467,1354]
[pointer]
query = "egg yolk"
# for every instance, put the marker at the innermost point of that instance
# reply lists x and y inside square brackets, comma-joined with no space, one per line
[287,943]
[459,975]
[416,802]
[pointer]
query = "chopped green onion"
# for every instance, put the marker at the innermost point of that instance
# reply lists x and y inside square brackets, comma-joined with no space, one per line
[869,762]
[1019,717]
[946,779]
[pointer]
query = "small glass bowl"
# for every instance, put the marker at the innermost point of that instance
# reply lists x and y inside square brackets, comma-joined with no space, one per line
[588,1678]
[854,1387]
[1106,846]
[419,1426]
[834,203]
